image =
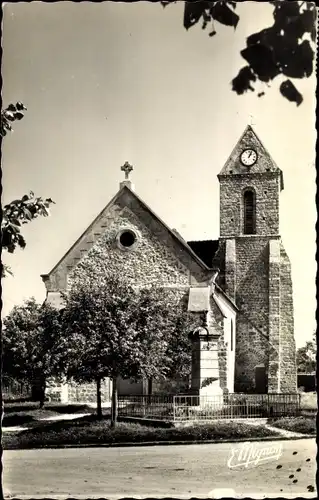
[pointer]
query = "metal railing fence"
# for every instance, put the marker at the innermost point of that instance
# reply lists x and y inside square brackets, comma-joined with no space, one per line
[186,407]
[233,406]
[146,406]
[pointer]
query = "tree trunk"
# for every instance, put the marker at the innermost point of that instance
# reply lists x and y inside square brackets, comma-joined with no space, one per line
[98,399]
[150,386]
[114,402]
[42,392]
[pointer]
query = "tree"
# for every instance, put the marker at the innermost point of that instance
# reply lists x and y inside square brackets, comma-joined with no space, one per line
[32,344]
[280,49]
[20,211]
[306,357]
[115,330]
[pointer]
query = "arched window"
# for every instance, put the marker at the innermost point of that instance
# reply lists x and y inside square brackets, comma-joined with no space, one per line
[249,212]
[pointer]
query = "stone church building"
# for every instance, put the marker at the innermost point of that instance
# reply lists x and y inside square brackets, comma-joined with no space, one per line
[240,281]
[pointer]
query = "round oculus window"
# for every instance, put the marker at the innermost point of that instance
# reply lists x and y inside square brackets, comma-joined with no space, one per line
[127,239]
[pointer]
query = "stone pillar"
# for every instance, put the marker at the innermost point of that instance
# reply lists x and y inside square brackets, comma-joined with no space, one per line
[205,340]
[230,264]
[274,317]
[205,365]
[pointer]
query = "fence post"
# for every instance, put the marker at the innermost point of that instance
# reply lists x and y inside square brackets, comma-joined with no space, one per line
[144,406]
[174,408]
[299,404]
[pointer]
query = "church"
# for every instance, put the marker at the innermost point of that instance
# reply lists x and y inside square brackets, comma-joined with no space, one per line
[241,281]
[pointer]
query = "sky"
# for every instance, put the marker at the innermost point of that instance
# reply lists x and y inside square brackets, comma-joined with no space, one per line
[106,83]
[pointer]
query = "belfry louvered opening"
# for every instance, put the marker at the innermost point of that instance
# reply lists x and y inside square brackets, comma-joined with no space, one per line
[249,212]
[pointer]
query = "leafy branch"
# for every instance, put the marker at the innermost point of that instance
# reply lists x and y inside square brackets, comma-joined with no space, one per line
[20,211]
[281,49]
[12,113]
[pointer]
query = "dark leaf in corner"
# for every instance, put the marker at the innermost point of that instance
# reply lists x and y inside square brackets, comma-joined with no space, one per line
[21,241]
[285,10]
[288,90]
[20,106]
[242,82]
[193,11]
[224,15]
[306,56]
[296,59]
[313,34]
[232,4]
[9,115]
[261,60]
[18,115]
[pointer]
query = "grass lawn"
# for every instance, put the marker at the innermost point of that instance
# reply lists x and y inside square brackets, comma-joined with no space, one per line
[28,414]
[89,430]
[304,425]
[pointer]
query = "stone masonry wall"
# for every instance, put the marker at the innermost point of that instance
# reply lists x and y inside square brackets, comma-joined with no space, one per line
[73,392]
[274,371]
[222,364]
[54,391]
[266,187]
[164,251]
[252,294]
[148,263]
[288,371]
[86,393]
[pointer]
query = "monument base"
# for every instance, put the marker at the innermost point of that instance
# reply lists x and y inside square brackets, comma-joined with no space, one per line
[211,397]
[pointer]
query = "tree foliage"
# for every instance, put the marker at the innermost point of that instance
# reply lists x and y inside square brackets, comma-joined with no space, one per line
[33,347]
[116,330]
[20,211]
[306,357]
[280,49]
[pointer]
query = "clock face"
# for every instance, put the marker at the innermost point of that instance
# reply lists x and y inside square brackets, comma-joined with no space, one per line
[248,157]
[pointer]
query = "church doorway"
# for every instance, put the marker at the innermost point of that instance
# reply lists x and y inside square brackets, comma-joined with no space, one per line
[261,379]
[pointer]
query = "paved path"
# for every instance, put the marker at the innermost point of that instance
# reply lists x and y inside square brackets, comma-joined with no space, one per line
[159,471]
[64,416]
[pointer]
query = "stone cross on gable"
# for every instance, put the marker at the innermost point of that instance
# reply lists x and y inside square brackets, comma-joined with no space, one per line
[251,120]
[127,168]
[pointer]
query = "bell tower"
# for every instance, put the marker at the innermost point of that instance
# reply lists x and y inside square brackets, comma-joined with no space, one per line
[255,269]
[250,185]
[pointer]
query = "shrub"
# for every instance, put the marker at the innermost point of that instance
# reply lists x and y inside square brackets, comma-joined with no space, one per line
[13,420]
[304,425]
[90,431]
